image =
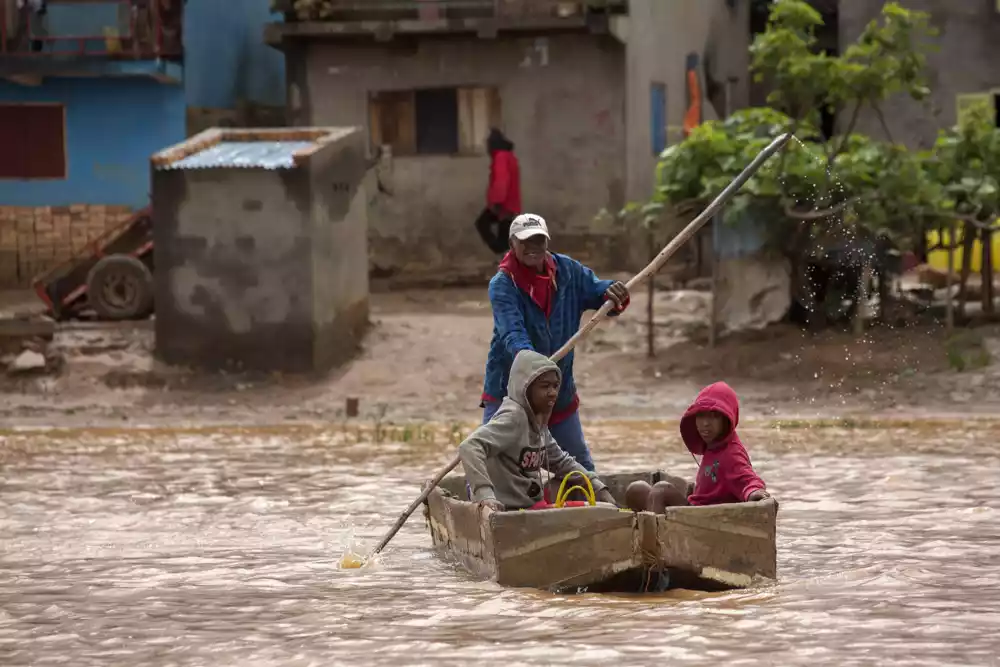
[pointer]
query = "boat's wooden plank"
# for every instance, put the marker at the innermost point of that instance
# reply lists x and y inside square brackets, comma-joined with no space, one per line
[736,538]
[569,546]
[550,527]
[461,529]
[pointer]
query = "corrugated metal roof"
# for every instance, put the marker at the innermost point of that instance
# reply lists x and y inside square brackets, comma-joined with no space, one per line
[243,154]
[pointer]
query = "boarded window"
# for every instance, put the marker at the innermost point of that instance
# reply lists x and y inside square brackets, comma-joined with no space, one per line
[434,121]
[33,137]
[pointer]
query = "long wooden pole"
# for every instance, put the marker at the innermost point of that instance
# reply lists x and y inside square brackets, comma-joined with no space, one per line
[414,505]
[645,274]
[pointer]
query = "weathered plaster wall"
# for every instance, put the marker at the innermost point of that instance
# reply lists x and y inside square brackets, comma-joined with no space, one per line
[339,223]
[233,271]
[965,61]
[563,104]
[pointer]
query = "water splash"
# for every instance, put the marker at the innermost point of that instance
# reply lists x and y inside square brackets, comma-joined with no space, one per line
[355,556]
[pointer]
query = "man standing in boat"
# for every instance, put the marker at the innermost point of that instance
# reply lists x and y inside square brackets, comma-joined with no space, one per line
[538,298]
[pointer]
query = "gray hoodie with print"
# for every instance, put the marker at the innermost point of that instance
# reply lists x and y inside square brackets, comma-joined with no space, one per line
[504,457]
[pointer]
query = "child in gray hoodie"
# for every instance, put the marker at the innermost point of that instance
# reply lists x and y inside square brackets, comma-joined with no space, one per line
[504,457]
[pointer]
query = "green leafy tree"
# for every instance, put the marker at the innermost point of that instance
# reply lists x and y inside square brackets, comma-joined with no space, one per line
[821,189]
[963,166]
[849,177]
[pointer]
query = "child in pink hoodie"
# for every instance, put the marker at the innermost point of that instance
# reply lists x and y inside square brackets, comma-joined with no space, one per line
[725,474]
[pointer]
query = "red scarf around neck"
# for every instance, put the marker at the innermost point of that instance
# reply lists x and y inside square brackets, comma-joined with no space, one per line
[541,287]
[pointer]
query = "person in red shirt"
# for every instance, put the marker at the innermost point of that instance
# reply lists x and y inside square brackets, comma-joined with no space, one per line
[725,474]
[503,196]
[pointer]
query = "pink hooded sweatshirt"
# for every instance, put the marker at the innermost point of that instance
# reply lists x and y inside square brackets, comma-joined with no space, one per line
[725,474]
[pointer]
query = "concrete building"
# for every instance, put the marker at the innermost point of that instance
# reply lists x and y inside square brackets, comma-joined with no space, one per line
[963,66]
[590,92]
[232,78]
[261,249]
[90,89]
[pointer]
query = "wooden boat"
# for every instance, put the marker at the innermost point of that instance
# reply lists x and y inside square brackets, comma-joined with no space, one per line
[601,547]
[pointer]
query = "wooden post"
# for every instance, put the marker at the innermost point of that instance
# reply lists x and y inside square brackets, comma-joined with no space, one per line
[713,325]
[968,243]
[650,310]
[713,315]
[950,305]
[861,307]
[987,272]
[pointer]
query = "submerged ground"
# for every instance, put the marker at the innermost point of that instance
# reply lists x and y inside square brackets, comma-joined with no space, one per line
[151,517]
[221,546]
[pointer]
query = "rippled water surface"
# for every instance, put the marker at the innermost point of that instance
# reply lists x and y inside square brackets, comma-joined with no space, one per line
[221,547]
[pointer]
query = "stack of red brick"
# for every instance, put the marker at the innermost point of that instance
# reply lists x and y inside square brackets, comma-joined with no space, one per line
[33,239]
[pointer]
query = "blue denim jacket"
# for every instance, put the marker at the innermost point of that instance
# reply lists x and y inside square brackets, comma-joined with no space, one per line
[519,324]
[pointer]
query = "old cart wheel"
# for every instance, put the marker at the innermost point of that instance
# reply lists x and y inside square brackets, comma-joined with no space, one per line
[120,287]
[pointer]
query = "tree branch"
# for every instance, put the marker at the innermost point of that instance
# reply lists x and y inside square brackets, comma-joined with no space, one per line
[885,125]
[832,153]
[688,205]
[848,131]
[961,217]
[819,215]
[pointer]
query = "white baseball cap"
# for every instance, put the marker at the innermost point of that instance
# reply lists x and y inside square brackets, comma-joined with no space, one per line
[527,225]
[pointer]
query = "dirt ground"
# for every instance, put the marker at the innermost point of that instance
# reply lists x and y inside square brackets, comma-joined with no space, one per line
[423,360]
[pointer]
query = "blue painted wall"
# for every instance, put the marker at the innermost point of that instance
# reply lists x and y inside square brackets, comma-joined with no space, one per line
[112,128]
[113,125]
[226,59]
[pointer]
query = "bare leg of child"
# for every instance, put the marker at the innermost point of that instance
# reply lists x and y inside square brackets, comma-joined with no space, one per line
[663,495]
[637,496]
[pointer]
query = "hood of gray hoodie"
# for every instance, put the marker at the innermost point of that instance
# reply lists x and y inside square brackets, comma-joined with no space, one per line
[528,366]
[504,458]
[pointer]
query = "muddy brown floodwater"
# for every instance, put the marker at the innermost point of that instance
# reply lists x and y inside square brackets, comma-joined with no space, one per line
[221,547]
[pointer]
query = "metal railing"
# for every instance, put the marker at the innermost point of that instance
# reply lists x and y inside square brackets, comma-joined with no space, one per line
[145,30]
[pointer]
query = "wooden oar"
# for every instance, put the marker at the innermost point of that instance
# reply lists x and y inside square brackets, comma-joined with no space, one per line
[645,274]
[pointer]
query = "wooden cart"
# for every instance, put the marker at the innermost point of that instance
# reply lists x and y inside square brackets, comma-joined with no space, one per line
[111,276]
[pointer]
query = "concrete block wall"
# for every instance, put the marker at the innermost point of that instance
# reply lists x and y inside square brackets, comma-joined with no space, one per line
[262,269]
[35,239]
